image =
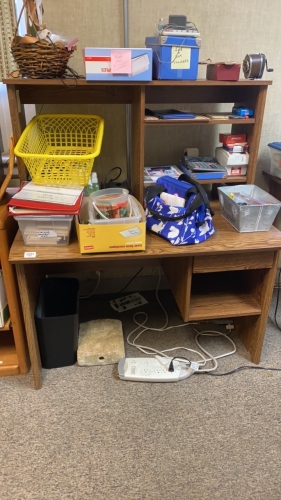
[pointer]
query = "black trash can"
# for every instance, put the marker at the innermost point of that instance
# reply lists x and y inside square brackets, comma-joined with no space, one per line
[57,321]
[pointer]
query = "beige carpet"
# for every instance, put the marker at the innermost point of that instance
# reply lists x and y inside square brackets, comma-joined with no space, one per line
[88,435]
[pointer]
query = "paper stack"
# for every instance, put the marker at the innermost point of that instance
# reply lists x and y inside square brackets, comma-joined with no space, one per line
[34,199]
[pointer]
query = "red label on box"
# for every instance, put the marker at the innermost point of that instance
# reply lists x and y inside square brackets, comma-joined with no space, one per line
[231,139]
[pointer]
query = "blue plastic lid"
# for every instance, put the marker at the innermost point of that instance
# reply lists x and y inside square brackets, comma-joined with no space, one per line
[275,145]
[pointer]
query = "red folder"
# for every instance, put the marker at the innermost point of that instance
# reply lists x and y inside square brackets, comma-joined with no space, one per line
[28,207]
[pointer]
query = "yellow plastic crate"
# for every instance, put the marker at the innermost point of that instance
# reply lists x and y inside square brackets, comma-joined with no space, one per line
[60,149]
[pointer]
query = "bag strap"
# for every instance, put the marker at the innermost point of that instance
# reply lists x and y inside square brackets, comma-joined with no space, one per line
[199,198]
[203,194]
[152,191]
[156,190]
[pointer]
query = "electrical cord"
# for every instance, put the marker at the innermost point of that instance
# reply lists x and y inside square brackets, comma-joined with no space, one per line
[94,290]
[181,358]
[109,172]
[199,366]
[244,368]
[151,351]
[130,281]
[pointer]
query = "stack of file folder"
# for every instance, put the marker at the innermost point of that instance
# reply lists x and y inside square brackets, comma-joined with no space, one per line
[170,114]
[36,200]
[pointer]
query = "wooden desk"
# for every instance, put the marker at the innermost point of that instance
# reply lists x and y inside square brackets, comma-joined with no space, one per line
[231,275]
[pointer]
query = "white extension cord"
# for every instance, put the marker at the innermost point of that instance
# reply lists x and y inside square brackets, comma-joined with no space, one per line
[157,369]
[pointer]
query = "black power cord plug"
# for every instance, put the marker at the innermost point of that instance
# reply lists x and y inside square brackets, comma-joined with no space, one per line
[124,184]
[171,365]
[112,182]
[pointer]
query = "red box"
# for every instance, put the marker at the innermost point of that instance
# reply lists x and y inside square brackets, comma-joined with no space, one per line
[232,139]
[223,71]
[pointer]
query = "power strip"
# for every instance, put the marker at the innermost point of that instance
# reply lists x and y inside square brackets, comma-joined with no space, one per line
[152,370]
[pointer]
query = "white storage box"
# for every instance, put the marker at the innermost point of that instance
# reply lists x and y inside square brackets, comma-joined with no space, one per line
[227,159]
[236,170]
[258,212]
[118,64]
[52,230]
[275,154]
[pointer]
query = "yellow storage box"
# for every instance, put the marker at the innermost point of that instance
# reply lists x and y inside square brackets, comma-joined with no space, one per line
[112,236]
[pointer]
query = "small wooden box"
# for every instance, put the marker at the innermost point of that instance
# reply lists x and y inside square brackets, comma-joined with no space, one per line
[223,71]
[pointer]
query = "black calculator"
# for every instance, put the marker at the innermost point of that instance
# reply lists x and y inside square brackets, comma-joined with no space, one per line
[203,164]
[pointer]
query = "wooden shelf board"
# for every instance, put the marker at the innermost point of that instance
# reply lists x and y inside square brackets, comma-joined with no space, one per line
[226,304]
[153,83]
[206,83]
[8,356]
[237,179]
[199,122]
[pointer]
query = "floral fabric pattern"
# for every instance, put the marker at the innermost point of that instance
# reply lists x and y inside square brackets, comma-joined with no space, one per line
[190,229]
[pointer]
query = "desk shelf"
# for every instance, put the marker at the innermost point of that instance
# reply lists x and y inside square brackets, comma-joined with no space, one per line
[171,123]
[227,304]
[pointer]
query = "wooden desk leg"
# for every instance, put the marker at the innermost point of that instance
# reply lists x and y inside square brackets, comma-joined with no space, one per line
[29,280]
[252,329]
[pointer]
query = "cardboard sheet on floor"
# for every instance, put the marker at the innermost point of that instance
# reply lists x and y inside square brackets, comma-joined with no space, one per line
[100,342]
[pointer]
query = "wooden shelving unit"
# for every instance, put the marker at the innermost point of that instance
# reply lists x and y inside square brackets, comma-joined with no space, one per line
[251,93]
[230,275]
[14,358]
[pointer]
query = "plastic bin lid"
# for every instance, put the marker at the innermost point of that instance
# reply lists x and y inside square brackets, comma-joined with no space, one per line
[275,145]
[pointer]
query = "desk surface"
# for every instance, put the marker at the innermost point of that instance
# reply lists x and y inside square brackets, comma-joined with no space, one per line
[226,240]
[157,83]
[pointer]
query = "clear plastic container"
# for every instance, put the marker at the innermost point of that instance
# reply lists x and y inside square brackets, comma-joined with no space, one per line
[275,158]
[111,203]
[134,218]
[53,230]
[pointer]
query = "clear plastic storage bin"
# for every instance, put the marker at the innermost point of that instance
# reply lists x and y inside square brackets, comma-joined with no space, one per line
[275,158]
[248,208]
[45,231]
[133,213]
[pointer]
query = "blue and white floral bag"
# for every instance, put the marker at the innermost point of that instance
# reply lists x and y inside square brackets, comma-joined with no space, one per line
[185,225]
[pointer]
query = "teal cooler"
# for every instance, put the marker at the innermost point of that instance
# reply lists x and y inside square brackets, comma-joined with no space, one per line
[174,57]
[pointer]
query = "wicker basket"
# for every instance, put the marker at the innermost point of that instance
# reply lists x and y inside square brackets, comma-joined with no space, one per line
[38,58]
